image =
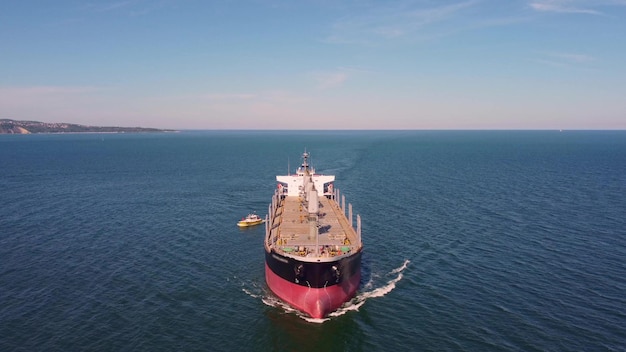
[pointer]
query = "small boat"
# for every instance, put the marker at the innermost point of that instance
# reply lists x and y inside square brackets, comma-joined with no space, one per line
[250,220]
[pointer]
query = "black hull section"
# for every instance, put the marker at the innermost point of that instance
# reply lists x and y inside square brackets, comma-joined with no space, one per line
[314,274]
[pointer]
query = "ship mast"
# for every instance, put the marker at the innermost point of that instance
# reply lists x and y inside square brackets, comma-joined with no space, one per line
[310,196]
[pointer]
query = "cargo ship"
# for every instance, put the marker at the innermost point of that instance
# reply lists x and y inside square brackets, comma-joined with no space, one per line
[312,247]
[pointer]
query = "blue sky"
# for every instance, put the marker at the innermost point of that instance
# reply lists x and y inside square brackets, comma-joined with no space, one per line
[319,64]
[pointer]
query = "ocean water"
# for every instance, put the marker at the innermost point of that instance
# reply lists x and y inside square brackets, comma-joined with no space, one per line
[474,241]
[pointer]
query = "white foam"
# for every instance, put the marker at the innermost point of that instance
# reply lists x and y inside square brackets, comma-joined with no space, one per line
[250,293]
[369,291]
[312,320]
[401,269]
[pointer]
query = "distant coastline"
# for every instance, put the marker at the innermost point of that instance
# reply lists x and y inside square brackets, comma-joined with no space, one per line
[8,126]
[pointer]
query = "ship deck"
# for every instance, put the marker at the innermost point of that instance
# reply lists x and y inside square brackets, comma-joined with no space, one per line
[290,231]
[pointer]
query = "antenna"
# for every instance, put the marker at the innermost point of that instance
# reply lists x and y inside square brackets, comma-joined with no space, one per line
[288,172]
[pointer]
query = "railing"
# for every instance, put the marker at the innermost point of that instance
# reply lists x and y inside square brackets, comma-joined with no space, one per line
[270,218]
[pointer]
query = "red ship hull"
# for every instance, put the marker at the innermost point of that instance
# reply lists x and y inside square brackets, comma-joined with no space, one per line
[316,302]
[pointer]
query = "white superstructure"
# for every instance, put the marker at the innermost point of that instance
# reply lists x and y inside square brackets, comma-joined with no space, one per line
[296,185]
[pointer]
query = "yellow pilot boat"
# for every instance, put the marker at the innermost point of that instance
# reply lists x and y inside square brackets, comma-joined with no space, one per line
[250,220]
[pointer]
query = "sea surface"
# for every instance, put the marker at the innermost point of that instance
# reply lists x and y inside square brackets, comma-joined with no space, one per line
[474,241]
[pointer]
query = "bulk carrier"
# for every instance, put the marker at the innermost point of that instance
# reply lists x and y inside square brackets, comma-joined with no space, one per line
[312,249]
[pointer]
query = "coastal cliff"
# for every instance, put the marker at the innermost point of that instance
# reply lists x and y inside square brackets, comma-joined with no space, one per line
[8,126]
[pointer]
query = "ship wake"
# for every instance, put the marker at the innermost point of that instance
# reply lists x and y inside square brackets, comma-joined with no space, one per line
[372,289]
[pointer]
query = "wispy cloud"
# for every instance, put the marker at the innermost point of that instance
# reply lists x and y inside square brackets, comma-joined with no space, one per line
[229,96]
[92,105]
[588,7]
[128,7]
[329,79]
[561,59]
[53,102]
[39,92]
[260,109]
[326,80]
[107,6]
[273,96]
[382,22]
[574,58]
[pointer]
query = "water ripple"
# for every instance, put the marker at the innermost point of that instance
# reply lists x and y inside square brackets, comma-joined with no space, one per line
[489,241]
